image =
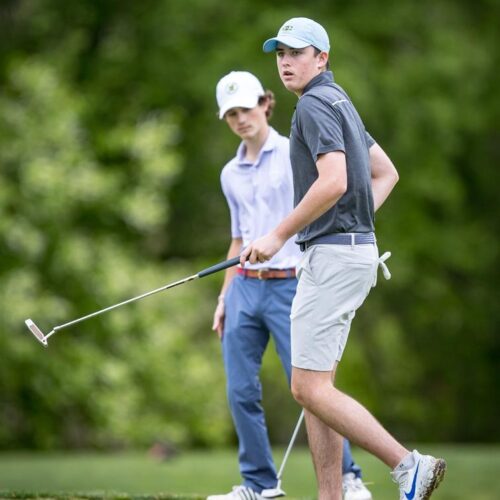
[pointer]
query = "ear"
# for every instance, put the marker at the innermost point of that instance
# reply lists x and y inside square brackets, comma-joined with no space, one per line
[322,60]
[266,102]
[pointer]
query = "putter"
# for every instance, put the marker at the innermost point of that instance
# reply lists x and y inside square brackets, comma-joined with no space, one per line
[277,491]
[42,338]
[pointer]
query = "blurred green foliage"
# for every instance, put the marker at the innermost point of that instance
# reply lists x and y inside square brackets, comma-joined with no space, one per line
[110,155]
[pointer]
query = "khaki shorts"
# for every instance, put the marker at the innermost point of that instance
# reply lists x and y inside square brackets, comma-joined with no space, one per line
[334,281]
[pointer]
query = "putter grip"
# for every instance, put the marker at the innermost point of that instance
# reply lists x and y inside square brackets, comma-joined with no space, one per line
[219,267]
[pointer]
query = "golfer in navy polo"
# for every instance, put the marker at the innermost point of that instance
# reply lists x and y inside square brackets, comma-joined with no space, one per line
[341,177]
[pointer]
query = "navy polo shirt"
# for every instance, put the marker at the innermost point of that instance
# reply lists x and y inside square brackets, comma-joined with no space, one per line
[324,121]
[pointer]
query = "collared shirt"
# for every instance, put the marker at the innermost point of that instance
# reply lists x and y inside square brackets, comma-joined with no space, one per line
[324,121]
[260,196]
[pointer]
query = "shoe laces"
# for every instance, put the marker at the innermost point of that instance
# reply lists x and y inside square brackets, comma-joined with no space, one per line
[245,493]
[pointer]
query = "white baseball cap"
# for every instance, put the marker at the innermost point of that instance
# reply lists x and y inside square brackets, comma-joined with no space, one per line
[238,89]
[298,33]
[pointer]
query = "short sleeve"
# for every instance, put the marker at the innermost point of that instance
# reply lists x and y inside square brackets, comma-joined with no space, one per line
[370,141]
[320,126]
[233,208]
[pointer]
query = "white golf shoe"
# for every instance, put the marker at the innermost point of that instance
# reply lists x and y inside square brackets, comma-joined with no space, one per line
[353,488]
[418,476]
[238,493]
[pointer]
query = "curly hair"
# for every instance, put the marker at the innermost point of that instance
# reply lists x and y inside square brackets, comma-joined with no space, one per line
[269,98]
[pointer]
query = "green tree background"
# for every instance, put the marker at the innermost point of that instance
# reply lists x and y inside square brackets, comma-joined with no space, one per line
[110,155]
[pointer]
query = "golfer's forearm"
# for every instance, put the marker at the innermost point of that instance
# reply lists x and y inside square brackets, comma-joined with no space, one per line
[381,189]
[320,198]
[384,175]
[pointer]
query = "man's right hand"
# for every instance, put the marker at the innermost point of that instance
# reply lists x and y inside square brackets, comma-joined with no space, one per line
[219,315]
[262,249]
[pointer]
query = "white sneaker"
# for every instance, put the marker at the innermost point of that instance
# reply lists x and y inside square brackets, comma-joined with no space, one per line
[418,476]
[238,493]
[353,488]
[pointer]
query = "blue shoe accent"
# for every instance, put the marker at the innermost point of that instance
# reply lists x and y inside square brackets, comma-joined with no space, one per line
[411,494]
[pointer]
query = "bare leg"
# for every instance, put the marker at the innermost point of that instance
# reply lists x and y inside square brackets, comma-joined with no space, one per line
[326,449]
[314,391]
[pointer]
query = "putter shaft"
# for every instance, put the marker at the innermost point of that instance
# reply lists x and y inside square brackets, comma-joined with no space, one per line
[39,335]
[115,306]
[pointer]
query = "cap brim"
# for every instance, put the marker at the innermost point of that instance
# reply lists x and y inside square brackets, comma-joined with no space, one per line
[290,41]
[238,102]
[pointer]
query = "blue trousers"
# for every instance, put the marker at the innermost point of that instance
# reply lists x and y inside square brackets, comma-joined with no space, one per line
[255,311]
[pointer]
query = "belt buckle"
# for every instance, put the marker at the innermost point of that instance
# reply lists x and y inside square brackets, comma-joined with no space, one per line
[260,273]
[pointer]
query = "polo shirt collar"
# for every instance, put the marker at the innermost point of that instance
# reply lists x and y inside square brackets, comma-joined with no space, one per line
[269,145]
[324,78]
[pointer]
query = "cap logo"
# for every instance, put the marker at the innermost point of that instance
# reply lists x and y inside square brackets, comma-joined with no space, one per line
[231,88]
[288,27]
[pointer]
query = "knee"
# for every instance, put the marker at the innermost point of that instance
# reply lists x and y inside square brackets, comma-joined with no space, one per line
[243,393]
[300,392]
[309,387]
[297,394]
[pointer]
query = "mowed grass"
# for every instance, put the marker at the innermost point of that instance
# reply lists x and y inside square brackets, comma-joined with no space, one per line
[471,474]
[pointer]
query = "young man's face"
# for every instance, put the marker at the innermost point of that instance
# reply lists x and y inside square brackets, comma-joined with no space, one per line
[247,123]
[297,67]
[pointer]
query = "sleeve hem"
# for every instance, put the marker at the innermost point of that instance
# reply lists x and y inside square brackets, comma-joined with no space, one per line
[330,148]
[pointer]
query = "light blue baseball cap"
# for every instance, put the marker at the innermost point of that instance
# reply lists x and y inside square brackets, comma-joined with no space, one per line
[300,32]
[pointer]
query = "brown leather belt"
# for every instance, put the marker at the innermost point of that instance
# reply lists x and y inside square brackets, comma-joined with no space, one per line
[267,274]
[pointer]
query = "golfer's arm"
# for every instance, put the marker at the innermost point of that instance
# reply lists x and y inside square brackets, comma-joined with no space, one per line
[234,250]
[384,175]
[328,188]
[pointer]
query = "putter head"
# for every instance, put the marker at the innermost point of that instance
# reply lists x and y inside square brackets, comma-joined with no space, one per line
[273,492]
[36,332]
